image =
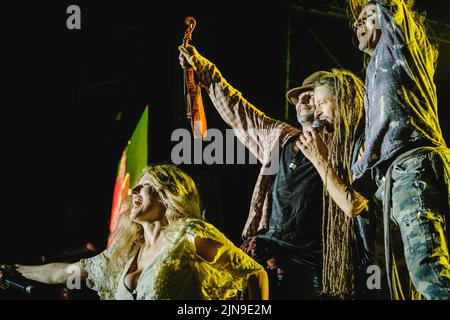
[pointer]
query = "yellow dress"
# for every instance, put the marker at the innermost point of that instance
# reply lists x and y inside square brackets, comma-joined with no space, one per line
[178,272]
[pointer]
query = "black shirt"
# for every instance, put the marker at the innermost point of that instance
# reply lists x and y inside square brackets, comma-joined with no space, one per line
[296,217]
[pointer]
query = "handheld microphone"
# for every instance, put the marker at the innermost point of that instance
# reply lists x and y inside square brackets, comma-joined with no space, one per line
[19,285]
[11,280]
[319,124]
[295,162]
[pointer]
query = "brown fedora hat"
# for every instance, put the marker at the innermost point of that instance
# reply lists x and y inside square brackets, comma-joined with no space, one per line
[308,84]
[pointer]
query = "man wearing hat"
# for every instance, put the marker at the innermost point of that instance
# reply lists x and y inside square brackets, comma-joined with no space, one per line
[284,226]
[305,110]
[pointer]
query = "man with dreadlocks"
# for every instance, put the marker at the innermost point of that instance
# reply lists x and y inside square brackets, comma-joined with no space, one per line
[406,161]
[339,100]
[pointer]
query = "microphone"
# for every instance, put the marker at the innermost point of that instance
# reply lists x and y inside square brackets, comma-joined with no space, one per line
[295,162]
[11,279]
[19,285]
[319,124]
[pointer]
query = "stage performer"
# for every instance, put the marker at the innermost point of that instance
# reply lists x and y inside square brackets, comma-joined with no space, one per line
[406,161]
[163,249]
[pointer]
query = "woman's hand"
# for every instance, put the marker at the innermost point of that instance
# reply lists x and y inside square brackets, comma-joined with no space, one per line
[2,281]
[313,147]
[6,270]
[40,273]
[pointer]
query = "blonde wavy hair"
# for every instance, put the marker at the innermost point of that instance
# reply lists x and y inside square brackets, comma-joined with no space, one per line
[178,193]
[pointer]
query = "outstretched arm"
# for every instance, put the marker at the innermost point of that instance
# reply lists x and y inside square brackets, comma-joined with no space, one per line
[253,128]
[53,273]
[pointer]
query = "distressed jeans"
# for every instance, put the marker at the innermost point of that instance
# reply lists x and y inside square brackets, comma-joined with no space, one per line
[419,199]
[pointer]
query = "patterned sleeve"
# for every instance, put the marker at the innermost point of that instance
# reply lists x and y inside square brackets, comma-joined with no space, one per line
[97,278]
[228,273]
[412,67]
[258,132]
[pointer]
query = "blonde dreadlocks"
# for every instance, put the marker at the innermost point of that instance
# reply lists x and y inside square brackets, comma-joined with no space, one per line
[340,250]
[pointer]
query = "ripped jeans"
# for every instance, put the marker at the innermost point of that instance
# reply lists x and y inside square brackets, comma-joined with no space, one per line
[420,207]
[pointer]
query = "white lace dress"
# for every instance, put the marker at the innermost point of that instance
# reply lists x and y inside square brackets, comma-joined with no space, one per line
[178,272]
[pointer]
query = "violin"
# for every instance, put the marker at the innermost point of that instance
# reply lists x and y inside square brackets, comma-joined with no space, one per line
[195,110]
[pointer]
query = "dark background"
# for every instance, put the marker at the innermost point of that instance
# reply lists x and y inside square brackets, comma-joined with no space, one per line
[72,98]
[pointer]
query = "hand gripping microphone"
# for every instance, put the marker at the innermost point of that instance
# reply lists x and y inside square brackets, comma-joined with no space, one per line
[295,162]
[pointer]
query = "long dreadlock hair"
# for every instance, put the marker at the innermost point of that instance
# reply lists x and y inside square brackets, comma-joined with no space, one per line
[340,245]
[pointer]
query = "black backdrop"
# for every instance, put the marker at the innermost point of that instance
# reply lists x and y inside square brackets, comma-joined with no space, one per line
[72,98]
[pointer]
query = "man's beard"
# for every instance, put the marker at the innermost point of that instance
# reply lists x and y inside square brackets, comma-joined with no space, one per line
[306,119]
